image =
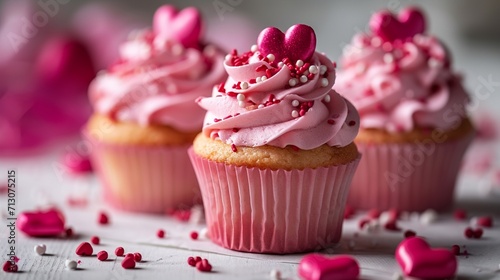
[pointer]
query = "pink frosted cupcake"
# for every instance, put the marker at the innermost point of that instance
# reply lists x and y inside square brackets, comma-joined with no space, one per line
[414,127]
[145,115]
[276,155]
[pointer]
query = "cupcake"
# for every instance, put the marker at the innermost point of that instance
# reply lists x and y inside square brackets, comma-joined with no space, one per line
[276,155]
[414,127]
[145,115]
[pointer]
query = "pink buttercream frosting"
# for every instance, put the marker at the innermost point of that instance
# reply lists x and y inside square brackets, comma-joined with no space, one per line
[157,81]
[261,103]
[402,85]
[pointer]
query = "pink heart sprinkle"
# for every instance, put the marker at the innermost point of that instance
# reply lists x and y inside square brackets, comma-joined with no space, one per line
[41,223]
[299,42]
[318,267]
[182,26]
[417,259]
[408,23]
[84,249]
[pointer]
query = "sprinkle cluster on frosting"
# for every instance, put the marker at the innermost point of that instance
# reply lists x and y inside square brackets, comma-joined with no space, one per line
[401,80]
[157,80]
[279,103]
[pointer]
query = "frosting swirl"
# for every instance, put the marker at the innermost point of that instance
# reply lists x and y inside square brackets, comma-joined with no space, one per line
[279,104]
[156,82]
[401,85]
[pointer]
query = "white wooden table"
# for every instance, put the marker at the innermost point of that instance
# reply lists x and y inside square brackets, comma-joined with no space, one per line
[40,185]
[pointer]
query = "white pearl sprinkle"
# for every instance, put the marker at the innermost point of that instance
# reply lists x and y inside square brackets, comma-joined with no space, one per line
[388,58]
[71,264]
[303,79]
[292,82]
[244,85]
[240,97]
[241,104]
[324,82]
[429,216]
[270,57]
[177,49]
[376,42]
[385,217]
[295,114]
[299,63]
[322,69]
[260,106]
[254,48]
[281,64]
[263,78]
[327,98]
[434,63]
[40,249]
[257,80]
[313,69]
[228,57]
[209,51]
[275,274]
[295,103]
[204,232]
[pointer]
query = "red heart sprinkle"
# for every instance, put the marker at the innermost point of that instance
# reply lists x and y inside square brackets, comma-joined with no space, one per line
[103,218]
[317,267]
[417,259]
[137,257]
[9,267]
[299,42]
[128,262]
[485,221]
[390,28]
[84,249]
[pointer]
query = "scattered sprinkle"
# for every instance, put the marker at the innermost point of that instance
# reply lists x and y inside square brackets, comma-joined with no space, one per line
[128,262]
[204,266]
[40,249]
[119,251]
[194,234]
[485,221]
[429,216]
[84,249]
[103,218]
[102,256]
[324,82]
[459,215]
[137,257]
[71,264]
[95,240]
[455,249]
[8,266]
[160,233]
[469,232]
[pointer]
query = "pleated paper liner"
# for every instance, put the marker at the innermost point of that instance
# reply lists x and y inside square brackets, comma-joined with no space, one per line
[145,179]
[273,211]
[408,176]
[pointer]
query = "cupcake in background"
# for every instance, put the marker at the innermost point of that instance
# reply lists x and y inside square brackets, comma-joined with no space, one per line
[276,155]
[145,116]
[414,126]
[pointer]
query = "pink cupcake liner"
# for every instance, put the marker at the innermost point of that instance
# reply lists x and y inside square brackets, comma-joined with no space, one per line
[145,179]
[273,211]
[409,176]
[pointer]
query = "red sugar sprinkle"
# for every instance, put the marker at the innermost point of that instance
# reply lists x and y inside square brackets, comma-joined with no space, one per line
[261,68]
[221,88]
[84,249]
[330,121]
[478,233]
[69,232]
[351,123]
[217,120]
[233,147]
[102,255]
[373,214]
[137,257]
[194,234]
[119,251]
[95,240]
[128,262]
[252,81]
[103,218]
[410,233]
[191,261]
[235,129]
[198,259]
[362,223]
[459,214]
[234,52]
[160,233]
[469,233]
[392,226]
[485,221]
[204,266]
[232,94]
[455,249]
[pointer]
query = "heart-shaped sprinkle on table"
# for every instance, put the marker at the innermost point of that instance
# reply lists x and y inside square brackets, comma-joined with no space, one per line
[318,267]
[128,262]
[408,23]
[41,223]
[299,42]
[418,259]
[84,249]
[182,26]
